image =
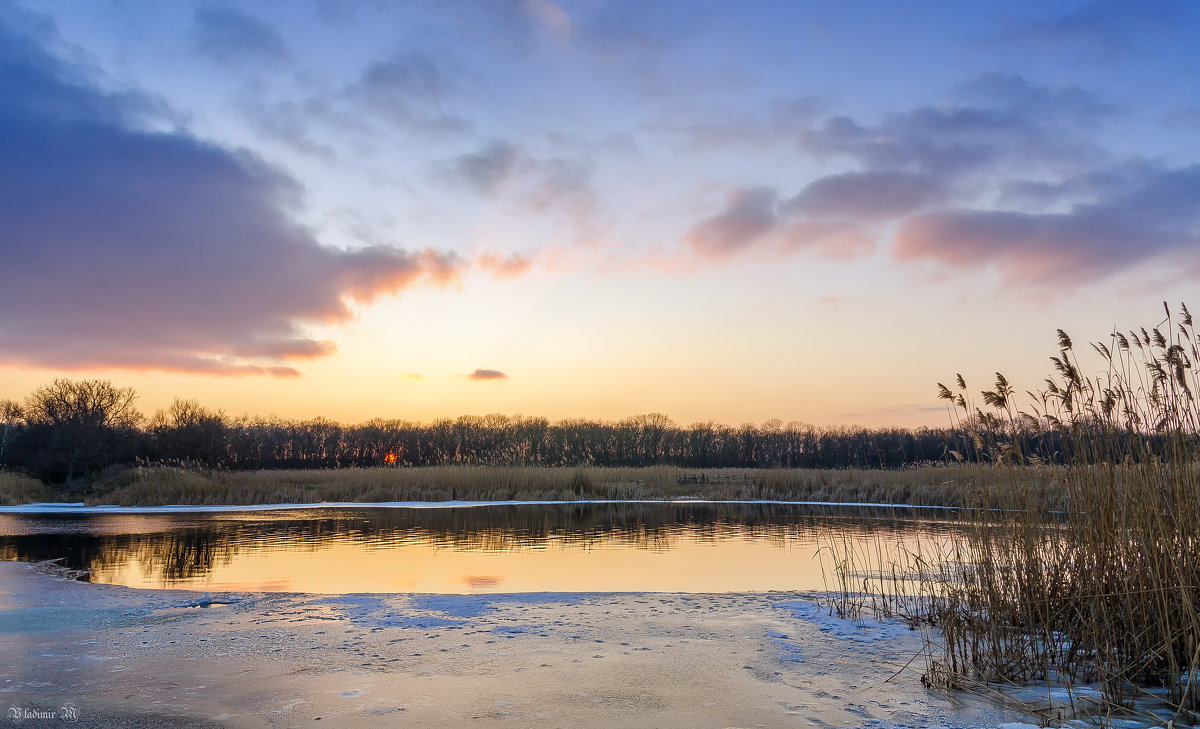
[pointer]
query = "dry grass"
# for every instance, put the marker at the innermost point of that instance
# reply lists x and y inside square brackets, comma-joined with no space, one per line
[16,489]
[156,486]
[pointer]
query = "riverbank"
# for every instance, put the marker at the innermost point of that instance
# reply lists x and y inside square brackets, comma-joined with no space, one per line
[124,657]
[934,485]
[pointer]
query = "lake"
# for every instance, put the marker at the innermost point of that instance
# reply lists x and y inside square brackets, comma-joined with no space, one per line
[569,547]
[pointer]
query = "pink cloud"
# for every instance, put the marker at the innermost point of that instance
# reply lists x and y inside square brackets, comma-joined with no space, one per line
[513,265]
[482,375]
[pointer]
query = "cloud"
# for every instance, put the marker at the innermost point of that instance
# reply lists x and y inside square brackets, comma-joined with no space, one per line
[1104,25]
[992,123]
[1006,177]
[754,219]
[825,240]
[134,249]
[1186,118]
[409,89]
[503,171]
[416,93]
[233,38]
[866,196]
[1019,97]
[781,122]
[482,375]
[486,170]
[411,75]
[749,215]
[1136,216]
[504,267]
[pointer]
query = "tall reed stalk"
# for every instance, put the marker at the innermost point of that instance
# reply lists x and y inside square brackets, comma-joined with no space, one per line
[1097,580]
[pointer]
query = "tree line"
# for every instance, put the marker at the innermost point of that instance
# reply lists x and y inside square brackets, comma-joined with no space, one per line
[74,431]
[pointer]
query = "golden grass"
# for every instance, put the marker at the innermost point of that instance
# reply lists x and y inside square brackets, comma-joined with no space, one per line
[158,486]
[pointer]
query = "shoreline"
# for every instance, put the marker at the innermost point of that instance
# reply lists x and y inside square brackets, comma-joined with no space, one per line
[81,508]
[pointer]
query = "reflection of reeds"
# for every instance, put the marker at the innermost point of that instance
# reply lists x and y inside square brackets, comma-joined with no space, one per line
[1100,582]
[944,485]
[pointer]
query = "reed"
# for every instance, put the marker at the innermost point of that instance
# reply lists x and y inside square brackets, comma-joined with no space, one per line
[1093,583]
[935,485]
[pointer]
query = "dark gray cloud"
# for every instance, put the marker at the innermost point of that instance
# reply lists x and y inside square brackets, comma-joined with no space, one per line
[482,375]
[232,37]
[146,250]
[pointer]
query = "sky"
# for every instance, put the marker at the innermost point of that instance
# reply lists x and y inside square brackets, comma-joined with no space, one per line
[719,211]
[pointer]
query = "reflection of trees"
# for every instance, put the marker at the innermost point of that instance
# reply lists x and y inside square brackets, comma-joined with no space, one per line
[172,556]
[189,546]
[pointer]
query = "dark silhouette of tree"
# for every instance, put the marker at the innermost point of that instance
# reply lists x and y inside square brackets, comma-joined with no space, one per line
[75,428]
[70,431]
[187,432]
[11,421]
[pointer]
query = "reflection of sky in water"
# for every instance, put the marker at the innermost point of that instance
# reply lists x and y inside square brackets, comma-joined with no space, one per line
[532,548]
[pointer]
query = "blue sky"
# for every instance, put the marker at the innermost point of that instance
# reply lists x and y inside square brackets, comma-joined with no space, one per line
[731,211]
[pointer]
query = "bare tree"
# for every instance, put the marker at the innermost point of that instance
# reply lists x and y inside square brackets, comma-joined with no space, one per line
[11,418]
[80,426]
[188,432]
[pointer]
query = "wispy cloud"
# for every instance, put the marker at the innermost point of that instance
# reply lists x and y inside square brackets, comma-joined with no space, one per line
[755,220]
[506,172]
[231,37]
[504,267]
[1102,25]
[419,93]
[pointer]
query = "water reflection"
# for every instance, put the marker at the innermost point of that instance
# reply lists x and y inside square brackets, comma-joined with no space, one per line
[511,548]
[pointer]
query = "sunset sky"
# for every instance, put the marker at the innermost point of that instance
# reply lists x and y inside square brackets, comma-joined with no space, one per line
[728,211]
